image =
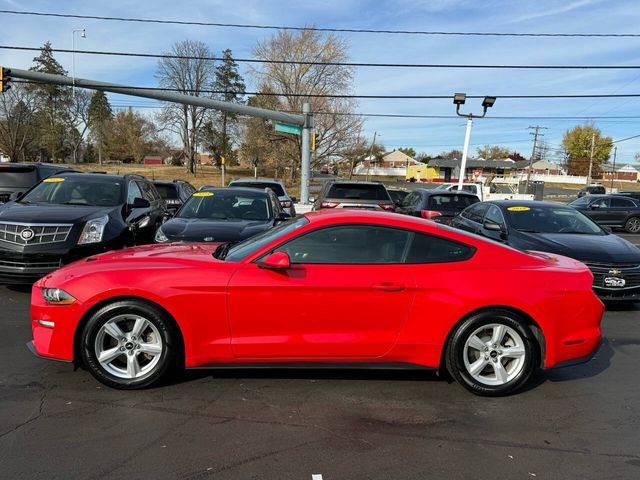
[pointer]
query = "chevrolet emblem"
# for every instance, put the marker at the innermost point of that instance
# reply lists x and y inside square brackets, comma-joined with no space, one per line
[614,272]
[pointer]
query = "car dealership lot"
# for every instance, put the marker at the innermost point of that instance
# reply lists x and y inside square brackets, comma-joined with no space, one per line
[578,422]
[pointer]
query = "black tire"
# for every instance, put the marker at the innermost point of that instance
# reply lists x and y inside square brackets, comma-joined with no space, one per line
[632,225]
[522,371]
[159,326]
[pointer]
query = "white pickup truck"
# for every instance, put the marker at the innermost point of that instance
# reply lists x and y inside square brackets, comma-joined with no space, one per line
[500,191]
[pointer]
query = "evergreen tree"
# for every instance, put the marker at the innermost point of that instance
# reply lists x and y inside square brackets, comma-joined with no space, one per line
[100,114]
[54,101]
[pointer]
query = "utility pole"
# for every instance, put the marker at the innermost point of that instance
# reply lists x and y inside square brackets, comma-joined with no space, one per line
[613,172]
[375,134]
[593,145]
[536,133]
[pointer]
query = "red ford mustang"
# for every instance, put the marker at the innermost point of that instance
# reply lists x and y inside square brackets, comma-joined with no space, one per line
[344,287]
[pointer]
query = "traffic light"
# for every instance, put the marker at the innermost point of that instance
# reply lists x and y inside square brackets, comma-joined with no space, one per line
[5,78]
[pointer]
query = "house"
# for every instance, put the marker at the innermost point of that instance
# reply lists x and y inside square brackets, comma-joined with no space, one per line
[448,170]
[627,173]
[541,167]
[152,160]
[393,159]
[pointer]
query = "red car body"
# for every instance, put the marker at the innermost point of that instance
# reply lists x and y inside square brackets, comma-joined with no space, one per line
[237,312]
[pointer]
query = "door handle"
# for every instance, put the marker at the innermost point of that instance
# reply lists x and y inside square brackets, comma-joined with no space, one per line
[388,287]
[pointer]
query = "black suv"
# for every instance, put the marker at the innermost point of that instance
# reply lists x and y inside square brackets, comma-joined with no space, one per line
[361,195]
[16,178]
[592,190]
[71,216]
[616,211]
[174,193]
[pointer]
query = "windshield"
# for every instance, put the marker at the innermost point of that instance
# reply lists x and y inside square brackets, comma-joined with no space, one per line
[551,220]
[167,192]
[581,202]
[253,244]
[276,187]
[17,177]
[225,205]
[358,191]
[77,190]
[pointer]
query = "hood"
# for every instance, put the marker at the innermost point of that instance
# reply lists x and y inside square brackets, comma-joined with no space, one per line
[200,230]
[586,248]
[47,213]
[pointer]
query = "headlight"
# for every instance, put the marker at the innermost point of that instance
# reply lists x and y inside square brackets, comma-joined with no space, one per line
[160,236]
[57,296]
[93,230]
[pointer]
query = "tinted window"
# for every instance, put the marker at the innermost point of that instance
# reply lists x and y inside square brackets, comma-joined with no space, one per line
[601,203]
[451,202]
[276,187]
[167,192]
[431,249]
[476,212]
[551,220]
[581,202]
[355,191]
[412,200]
[77,190]
[622,202]
[226,205]
[397,196]
[357,244]
[148,191]
[18,177]
[494,215]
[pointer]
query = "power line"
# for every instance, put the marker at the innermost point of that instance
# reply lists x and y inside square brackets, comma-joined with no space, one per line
[319,29]
[625,139]
[344,64]
[375,97]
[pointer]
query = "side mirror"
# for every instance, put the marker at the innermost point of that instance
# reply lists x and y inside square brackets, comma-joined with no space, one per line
[294,199]
[275,261]
[284,216]
[140,203]
[15,196]
[492,227]
[606,229]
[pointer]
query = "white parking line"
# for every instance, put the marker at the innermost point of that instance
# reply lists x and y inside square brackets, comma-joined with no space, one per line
[316,476]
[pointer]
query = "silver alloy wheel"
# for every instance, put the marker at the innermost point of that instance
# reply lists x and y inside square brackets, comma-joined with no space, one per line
[494,354]
[128,346]
[633,225]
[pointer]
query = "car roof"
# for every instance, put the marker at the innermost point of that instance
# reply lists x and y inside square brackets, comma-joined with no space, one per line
[354,182]
[168,182]
[247,190]
[100,175]
[447,193]
[256,180]
[525,203]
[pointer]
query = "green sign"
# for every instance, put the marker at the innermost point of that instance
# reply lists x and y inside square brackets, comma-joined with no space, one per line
[286,128]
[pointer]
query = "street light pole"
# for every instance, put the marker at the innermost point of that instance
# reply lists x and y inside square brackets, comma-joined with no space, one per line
[73,57]
[613,172]
[593,144]
[370,153]
[460,99]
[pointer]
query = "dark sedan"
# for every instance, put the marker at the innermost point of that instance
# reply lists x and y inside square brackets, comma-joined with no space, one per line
[437,205]
[559,229]
[616,211]
[223,215]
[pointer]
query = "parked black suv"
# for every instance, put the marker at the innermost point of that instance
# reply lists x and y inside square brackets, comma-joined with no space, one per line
[174,193]
[440,206]
[616,211]
[71,216]
[17,178]
[592,190]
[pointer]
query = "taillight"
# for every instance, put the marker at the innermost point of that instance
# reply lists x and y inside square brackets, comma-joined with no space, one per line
[285,203]
[429,214]
[329,204]
[387,207]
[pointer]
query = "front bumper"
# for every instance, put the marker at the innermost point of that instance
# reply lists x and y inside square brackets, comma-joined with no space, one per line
[32,348]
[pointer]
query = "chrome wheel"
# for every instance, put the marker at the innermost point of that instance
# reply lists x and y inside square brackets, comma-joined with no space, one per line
[128,346]
[633,225]
[494,354]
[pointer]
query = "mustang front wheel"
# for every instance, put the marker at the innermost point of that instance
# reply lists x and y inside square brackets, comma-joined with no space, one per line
[128,345]
[492,353]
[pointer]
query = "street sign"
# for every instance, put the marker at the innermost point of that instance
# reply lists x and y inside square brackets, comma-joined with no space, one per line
[286,128]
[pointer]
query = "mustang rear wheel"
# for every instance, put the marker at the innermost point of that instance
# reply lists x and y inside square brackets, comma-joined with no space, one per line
[128,345]
[632,225]
[492,353]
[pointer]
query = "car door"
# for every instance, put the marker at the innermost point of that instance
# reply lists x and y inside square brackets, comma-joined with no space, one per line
[136,218]
[620,208]
[346,294]
[599,210]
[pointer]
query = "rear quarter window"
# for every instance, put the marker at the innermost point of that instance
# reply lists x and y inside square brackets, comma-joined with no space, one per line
[433,249]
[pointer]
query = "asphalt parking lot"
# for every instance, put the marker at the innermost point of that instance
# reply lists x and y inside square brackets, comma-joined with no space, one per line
[577,422]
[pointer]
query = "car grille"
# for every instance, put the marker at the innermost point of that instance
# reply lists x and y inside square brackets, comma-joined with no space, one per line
[630,272]
[26,267]
[37,234]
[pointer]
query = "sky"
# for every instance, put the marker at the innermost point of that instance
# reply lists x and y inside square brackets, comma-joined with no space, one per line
[424,135]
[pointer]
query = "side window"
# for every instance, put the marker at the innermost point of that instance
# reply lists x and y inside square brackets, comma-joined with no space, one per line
[601,203]
[411,199]
[432,249]
[622,203]
[352,244]
[476,213]
[134,192]
[147,191]
[494,215]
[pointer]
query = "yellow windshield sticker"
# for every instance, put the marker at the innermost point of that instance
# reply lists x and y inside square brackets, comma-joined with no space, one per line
[203,194]
[53,180]
[518,209]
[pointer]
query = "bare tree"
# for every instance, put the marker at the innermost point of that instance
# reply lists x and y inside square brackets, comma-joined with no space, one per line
[336,130]
[78,120]
[18,123]
[190,76]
